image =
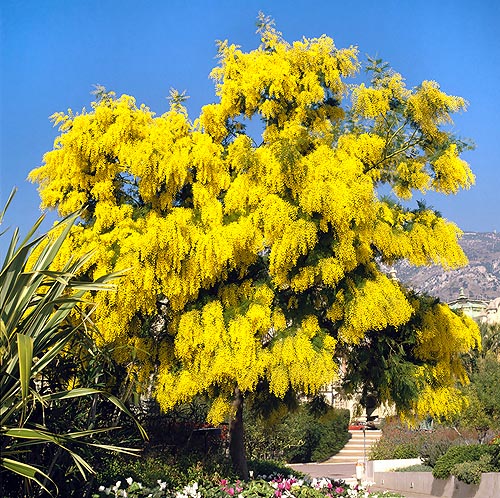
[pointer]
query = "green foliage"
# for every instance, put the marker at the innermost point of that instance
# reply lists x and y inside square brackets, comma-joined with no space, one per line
[270,468]
[470,471]
[397,441]
[331,428]
[456,455]
[175,471]
[41,312]
[495,453]
[434,448]
[400,441]
[483,412]
[306,434]
[419,467]
[490,338]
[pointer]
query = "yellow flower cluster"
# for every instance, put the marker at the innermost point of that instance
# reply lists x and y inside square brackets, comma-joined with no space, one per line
[377,304]
[451,172]
[411,175]
[422,238]
[372,102]
[430,107]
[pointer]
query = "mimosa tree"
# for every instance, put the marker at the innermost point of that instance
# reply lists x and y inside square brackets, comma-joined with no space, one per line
[264,253]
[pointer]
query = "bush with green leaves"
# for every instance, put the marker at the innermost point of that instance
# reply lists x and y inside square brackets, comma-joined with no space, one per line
[457,455]
[312,432]
[434,447]
[271,468]
[470,472]
[397,441]
[495,453]
[175,470]
[400,441]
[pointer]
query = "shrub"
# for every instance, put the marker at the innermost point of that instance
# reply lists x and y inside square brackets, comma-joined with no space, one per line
[386,450]
[419,467]
[313,432]
[470,472]
[495,454]
[334,435]
[434,448]
[399,441]
[271,468]
[175,471]
[456,455]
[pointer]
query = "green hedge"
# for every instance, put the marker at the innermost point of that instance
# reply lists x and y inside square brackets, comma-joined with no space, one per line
[458,455]
[307,434]
[470,472]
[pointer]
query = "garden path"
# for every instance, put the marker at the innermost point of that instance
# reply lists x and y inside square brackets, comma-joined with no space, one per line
[344,471]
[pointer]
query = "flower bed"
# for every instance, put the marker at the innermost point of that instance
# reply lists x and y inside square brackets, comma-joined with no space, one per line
[262,486]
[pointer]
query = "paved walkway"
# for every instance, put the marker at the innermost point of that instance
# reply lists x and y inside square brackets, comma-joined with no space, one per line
[344,471]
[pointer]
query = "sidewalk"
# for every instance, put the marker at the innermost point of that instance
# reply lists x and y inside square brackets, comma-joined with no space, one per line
[346,472]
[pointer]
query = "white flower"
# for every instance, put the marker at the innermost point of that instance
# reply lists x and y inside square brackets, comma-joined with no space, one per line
[192,490]
[129,481]
[117,485]
[101,488]
[251,474]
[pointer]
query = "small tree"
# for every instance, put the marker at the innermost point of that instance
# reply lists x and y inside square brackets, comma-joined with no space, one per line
[483,412]
[263,253]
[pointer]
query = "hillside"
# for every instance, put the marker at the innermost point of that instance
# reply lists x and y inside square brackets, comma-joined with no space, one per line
[479,279]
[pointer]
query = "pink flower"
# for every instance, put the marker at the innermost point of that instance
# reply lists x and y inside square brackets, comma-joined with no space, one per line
[223,482]
[339,490]
[230,491]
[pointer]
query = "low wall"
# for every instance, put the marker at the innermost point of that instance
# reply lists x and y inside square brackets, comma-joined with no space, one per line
[424,482]
[373,466]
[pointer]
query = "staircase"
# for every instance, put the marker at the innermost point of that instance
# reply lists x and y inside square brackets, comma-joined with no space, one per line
[355,448]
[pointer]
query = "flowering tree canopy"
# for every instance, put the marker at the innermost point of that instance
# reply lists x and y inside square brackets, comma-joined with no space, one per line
[265,254]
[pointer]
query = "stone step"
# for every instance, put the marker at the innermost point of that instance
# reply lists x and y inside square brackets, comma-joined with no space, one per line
[352,450]
[360,444]
[357,448]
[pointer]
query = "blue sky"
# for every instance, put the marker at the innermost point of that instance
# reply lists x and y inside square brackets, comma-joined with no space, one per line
[54,51]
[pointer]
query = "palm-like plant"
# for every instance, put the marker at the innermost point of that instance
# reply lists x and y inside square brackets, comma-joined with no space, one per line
[37,320]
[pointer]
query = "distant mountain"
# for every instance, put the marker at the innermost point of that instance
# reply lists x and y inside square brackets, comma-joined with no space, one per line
[479,279]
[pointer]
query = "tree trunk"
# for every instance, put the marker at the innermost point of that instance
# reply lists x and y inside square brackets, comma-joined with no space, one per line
[236,442]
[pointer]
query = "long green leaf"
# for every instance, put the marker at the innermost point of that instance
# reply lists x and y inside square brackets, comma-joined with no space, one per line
[27,471]
[85,391]
[25,354]
[32,434]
